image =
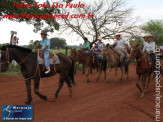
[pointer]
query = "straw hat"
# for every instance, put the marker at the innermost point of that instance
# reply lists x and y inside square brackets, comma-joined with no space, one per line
[99,38]
[118,34]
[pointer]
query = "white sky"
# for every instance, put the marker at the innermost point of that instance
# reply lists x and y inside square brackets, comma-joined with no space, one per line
[146,9]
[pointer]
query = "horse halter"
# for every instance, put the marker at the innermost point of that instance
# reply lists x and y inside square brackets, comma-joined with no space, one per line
[105,51]
[7,56]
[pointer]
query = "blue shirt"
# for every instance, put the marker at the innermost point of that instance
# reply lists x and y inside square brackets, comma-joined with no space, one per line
[44,43]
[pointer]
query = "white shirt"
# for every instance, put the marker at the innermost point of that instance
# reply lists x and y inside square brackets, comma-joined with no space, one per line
[149,46]
[100,45]
[161,47]
[121,44]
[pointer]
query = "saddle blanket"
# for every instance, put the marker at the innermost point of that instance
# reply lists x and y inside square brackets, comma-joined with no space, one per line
[40,60]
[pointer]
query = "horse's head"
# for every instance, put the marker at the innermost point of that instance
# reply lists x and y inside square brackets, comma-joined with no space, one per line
[6,58]
[73,53]
[103,53]
[134,52]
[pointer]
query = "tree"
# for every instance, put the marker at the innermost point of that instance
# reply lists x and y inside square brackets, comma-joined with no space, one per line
[57,42]
[155,27]
[6,7]
[110,17]
[32,46]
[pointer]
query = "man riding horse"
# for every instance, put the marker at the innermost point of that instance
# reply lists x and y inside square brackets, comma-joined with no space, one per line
[121,45]
[86,45]
[45,49]
[149,48]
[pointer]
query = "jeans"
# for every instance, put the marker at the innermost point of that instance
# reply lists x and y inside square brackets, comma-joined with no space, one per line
[124,58]
[96,57]
[153,56]
[46,57]
[86,50]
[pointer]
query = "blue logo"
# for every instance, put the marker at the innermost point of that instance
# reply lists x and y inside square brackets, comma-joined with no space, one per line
[17,112]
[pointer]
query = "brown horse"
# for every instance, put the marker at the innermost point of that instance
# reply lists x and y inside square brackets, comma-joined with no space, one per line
[114,61]
[144,68]
[87,60]
[31,71]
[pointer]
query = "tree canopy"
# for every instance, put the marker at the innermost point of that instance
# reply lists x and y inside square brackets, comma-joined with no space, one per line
[155,27]
[6,7]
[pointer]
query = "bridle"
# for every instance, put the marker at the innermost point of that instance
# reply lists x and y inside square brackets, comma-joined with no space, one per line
[140,58]
[7,57]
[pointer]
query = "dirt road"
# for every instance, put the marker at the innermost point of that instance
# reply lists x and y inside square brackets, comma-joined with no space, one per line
[91,102]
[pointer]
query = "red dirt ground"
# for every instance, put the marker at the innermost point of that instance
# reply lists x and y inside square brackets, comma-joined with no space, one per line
[91,102]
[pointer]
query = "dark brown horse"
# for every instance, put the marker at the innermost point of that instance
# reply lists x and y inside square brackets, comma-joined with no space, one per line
[114,59]
[144,68]
[87,60]
[30,69]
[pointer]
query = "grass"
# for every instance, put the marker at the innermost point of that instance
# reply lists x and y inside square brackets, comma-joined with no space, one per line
[16,71]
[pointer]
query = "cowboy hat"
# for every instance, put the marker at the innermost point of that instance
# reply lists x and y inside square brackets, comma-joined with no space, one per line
[44,32]
[149,35]
[99,38]
[118,34]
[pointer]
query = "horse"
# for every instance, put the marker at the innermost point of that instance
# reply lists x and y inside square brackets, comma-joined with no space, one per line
[114,61]
[144,68]
[30,69]
[87,60]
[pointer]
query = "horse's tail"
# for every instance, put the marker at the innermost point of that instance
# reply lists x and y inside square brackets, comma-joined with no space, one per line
[71,71]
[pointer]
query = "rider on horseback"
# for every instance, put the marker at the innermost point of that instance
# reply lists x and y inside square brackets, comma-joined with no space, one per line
[86,45]
[95,52]
[121,45]
[45,49]
[149,48]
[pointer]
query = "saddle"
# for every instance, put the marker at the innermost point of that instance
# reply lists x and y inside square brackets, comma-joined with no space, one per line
[51,55]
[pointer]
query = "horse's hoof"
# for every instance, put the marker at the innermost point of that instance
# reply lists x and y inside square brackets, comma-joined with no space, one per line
[27,103]
[74,84]
[44,98]
[88,81]
[146,90]
[142,95]
[137,85]
[53,100]
[70,95]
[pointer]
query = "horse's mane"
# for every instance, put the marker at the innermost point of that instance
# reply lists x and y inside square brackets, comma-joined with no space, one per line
[3,48]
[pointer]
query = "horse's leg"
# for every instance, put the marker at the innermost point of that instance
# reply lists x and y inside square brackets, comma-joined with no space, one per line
[69,86]
[99,75]
[28,88]
[109,73]
[147,85]
[87,73]
[127,72]
[83,69]
[36,89]
[143,86]
[76,65]
[61,81]
[121,73]
[115,74]
[138,83]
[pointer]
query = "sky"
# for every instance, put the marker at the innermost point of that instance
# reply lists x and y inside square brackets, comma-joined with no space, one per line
[145,9]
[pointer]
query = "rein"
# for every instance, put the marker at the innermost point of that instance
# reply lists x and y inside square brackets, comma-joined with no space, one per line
[7,58]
